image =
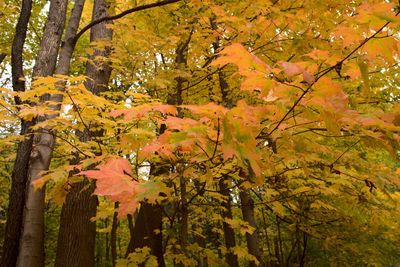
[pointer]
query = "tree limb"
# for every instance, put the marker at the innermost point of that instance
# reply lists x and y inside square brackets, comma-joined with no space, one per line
[122,14]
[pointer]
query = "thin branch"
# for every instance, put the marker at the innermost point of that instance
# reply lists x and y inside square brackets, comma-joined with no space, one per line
[203,78]
[216,143]
[326,71]
[122,14]
[69,143]
[344,152]
[76,108]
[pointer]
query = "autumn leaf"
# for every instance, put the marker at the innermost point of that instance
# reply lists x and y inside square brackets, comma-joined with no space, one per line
[292,69]
[113,180]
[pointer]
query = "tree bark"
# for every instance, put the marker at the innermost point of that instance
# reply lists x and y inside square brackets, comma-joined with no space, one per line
[107,244]
[31,250]
[114,236]
[68,46]
[147,222]
[185,213]
[229,234]
[149,219]
[227,213]
[248,216]
[19,173]
[43,141]
[2,57]
[75,245]
[76,239]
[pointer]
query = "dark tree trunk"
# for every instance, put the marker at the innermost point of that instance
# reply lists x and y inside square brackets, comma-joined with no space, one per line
[114,236]
[40,158]
[149,220]
[76,239]
[2,57]
[107,244]
[200,239]
[228,231]
[19,173]
[147,223]
[131,226]
[46,58]
[75,245]
[184,213]
[253,246]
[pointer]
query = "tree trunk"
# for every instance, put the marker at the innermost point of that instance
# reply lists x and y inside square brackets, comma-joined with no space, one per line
[44,142]
[248,216]
[77,233]
[200,239]
[107,244]
[149,219]
[76,239]
[19,173]
[227,213]
[185,213]
[131,232]
[2,57]
[143,233]
[229,234]
[68,45]
[147,222]
[114,236]
[31,249]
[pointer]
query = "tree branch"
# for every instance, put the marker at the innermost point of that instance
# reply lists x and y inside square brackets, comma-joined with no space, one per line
[122,14]
[326,71]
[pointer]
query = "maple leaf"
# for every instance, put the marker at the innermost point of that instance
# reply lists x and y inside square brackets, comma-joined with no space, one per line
[113,180]
[249,65]
[292,69]
[166,109]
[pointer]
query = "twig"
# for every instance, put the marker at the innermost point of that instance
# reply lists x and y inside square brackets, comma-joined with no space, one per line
[76,108]
[122,14]
[326,71]
[344,152]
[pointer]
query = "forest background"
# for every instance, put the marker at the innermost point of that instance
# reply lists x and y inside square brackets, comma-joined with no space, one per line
[199,133]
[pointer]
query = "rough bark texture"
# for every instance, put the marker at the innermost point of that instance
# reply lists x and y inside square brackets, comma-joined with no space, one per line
[43,141]
[229,234]
[68,45]
[248,216]
[114,236]
[185,214]
[76,239]
[17,47]
[19,173]
[76,245]
[31,250]
[149,220]
[131,222]
[99,72]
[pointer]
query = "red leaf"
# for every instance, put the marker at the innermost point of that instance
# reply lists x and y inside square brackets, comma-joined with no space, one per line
[113,181]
